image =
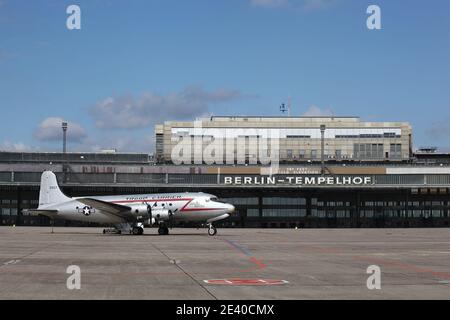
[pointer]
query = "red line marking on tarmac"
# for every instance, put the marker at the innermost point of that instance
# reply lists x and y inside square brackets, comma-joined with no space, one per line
[259,263]
[237,247]
[246,282]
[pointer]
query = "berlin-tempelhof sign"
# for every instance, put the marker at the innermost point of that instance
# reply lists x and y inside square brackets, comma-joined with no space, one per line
[297,180]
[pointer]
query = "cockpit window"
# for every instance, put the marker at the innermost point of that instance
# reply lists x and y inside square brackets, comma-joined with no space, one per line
[215,199]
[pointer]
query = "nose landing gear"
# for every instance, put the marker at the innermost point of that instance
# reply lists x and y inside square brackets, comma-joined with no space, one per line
[212,231]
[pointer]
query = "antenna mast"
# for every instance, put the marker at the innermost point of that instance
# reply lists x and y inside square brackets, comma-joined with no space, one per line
[284,108]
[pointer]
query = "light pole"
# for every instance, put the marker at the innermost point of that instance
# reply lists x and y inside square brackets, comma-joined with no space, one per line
[64,128]
[322,148]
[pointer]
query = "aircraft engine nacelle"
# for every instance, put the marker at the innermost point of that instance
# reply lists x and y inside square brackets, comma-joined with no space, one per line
[141,211]
[162,214]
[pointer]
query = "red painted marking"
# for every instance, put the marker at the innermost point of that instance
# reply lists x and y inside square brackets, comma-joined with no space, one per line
[246,282]
[184,209]
[152,200]
[202,209]
[259,263]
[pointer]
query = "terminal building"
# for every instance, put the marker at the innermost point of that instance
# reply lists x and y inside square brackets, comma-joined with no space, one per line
[299,138]
[333,172]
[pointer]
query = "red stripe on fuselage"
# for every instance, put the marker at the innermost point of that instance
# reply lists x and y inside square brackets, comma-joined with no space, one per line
[152,200]
[184,209]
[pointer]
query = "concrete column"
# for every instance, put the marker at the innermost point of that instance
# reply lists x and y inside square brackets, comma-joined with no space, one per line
[18,207]
[322,148]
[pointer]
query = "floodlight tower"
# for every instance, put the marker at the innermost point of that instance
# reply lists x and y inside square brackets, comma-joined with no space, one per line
[64,167]
[322,149]
[64,128]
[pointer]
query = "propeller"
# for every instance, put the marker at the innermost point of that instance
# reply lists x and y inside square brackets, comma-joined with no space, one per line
[149,211]
[170,219]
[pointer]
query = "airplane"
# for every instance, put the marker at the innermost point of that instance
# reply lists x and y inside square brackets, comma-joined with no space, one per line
[129,213]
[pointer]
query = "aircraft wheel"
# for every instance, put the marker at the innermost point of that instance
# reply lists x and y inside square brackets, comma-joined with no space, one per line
[212,231]
[137,231]
[163,230]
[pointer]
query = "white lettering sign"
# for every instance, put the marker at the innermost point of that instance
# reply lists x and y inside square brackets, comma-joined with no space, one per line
[297,180]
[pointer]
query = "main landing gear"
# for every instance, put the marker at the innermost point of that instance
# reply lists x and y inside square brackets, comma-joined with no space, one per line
[137,231]
[163,230]
[212,231]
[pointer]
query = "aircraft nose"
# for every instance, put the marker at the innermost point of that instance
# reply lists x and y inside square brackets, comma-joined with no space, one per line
[231,208]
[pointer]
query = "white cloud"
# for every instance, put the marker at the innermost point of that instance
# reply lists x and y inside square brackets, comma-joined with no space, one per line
[50,130]
[14,146]
[314,111]
[126,112]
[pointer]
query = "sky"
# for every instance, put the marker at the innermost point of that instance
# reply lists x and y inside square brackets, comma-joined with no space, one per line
[136,63]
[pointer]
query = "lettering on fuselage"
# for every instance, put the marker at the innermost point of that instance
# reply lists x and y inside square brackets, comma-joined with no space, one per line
[149,198]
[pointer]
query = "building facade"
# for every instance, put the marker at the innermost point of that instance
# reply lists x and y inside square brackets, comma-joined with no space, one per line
[298,139]
[352,195]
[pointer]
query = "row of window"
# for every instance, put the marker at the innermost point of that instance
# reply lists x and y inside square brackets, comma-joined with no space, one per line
[283,201]
[403,213]
[241,201]
[9,211]
[362,135]
[320,213]
[23,201]
[284,212]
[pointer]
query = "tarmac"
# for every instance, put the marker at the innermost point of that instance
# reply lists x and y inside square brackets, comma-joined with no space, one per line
[239,264]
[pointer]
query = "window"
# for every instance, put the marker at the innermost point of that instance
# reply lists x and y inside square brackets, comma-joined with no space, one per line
[252,212]
[395,150]
[289,153]
[368,151]
[314,154]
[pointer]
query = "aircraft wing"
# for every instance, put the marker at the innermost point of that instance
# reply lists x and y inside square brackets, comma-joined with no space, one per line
[117,210]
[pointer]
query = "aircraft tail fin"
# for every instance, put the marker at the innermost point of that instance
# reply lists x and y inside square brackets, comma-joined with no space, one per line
[49,192]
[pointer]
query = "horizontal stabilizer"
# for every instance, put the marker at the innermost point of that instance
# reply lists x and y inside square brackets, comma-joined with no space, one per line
[43,212]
